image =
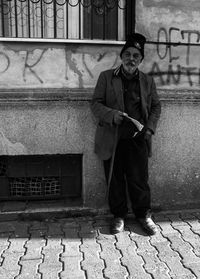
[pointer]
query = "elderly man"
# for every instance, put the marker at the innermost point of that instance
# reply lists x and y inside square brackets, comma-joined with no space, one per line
[120,95]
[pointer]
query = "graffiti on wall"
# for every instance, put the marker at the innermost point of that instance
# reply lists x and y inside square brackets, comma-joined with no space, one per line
[174,61]
[176,65]
[65,66]
[4,62]
[29,66]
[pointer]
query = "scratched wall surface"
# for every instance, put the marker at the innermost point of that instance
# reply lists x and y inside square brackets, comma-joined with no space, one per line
[39,65]
[177,21]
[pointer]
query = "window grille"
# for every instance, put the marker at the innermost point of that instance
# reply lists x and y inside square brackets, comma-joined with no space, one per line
[67,19]
[41,176]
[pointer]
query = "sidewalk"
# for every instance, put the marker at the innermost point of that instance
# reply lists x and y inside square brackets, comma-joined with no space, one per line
[82,248]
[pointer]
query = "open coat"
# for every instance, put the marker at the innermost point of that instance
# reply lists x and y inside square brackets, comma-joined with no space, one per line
[108,99]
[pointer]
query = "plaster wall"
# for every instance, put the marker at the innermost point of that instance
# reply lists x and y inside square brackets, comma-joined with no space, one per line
[172,30]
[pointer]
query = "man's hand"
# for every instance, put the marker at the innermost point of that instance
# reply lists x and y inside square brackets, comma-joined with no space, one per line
[148,134]
[118,117]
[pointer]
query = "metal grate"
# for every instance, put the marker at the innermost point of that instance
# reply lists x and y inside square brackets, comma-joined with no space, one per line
[3,168]
[41,176]
[67,19]
[35,186]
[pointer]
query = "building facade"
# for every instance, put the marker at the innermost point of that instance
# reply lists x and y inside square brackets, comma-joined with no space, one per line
[51,54]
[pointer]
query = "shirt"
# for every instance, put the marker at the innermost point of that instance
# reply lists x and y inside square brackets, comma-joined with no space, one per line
[132,104]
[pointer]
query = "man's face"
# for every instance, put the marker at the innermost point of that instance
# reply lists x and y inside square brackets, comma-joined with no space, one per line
[131,58]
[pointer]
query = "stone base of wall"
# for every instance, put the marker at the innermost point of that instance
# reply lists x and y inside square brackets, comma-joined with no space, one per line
[59,121]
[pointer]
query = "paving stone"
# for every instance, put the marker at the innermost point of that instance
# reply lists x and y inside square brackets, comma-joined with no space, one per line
[50,272]
[6,227]
[133,262]
[10,266]
[86,227]
[196,214]
[83,248]
[70,223]
[187,216]
[92,264]
[54,229]
[112,257]
[51,265]
[195,267]
[72,267]
[38,226]
[166,228]
[8,273]
[190,237]
[71,233]
[71,256]
[29,269]
[184,249]
[101,221]
[195,225]
[4,244]
[71,247]
[21,229]
[172,259]
[158,237]
[34,248]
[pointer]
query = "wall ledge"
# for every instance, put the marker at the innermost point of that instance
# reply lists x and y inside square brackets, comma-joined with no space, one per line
[17,95]
[23,95]
[179,95]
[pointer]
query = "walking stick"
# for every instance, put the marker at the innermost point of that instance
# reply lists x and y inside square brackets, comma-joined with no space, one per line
[112,159]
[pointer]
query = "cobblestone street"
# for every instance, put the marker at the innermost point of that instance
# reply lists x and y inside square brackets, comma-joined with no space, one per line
[79,248]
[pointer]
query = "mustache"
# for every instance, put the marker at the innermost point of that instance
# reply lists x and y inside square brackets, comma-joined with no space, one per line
[130,64]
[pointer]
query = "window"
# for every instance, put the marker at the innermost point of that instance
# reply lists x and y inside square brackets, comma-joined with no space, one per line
[67,19]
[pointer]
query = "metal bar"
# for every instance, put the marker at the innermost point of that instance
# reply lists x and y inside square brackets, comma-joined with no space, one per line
[22,20]
[2,18]
[67,19]
[117,22]
[55,19]
[133,16]
[16,25]
[91,22]
[79,21]
[10,31]
[29,23]
[130,17]
[42,24]
[104,20]
[126,19]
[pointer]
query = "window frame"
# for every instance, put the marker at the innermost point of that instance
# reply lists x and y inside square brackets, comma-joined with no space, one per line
[128,28]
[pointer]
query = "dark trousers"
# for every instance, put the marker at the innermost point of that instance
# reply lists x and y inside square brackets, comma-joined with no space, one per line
[130,172]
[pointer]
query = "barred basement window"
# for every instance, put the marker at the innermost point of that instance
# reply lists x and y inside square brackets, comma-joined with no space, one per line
[67,19]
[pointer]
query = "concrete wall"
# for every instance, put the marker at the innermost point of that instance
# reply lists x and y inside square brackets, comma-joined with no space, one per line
[45,90]
[174,66]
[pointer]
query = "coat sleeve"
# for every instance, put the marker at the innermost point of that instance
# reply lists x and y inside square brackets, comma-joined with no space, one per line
[101,111]
[154,110]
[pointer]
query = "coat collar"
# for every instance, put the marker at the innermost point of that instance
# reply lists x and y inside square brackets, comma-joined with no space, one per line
[118,71]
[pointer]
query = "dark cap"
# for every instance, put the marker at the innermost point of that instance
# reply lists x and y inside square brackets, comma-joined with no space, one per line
[135,40]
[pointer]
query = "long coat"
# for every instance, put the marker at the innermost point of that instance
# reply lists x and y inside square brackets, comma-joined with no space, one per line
[108,99]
